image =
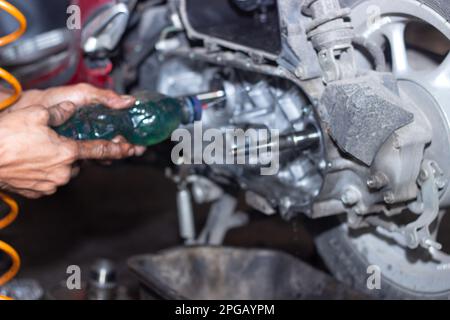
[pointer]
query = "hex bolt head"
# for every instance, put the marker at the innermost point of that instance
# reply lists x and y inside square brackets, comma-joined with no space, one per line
[389,197]
[350,197]
[377,181]
[372,183]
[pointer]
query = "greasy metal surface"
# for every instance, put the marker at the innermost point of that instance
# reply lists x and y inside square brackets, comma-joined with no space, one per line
[363,113]
[232,273]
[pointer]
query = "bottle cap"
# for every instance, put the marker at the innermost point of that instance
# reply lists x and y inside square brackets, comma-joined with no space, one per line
[195,106]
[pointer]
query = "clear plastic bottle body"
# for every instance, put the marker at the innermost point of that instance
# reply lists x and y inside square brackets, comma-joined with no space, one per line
[150,121]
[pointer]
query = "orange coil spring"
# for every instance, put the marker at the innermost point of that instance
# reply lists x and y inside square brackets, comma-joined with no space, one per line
[12,81]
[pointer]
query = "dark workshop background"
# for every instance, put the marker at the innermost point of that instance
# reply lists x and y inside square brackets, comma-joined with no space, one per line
[120,210]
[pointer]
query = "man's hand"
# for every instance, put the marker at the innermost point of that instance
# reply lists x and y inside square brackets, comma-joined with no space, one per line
[35,160]
[80,94]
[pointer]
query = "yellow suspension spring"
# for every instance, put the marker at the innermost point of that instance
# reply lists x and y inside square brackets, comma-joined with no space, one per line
[12,81]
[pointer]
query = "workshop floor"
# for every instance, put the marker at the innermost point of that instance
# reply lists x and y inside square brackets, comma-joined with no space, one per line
[119,211]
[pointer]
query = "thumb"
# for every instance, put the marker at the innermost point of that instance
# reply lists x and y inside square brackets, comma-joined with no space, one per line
[60,113]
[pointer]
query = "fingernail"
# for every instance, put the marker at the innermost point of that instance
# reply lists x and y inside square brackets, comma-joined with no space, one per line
[131,152]
[67,105]
[127,98]
[140,151]
[116,140]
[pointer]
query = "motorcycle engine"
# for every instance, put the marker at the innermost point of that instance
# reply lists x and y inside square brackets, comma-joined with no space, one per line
[356,105]
[354,141]
[253,101]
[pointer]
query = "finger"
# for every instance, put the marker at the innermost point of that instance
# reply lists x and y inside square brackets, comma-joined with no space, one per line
[103,150]
[115,101]
[50,192]
[88,95]
[85,94]
[45,188]
[29,194]
[36,114]
[61,176]
[139,150]
[119,139]
[60,113]
[27,183]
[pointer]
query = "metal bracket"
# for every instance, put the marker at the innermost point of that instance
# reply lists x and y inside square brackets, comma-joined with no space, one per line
[221,218]
[417,233]
[333,68]
[104,31]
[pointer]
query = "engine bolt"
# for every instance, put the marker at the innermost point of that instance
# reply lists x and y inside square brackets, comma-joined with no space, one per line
[299,72]
[372,183]
[377,181]
[324,165]
[389,197]
[423,175]
[440,182]
[350,197]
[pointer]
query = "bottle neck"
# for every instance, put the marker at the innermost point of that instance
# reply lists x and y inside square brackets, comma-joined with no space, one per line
[191,109]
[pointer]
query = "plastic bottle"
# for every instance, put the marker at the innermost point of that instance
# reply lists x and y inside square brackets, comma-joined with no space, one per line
[151,120]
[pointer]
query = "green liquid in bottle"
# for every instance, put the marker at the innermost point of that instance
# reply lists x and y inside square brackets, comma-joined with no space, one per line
[151,120]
